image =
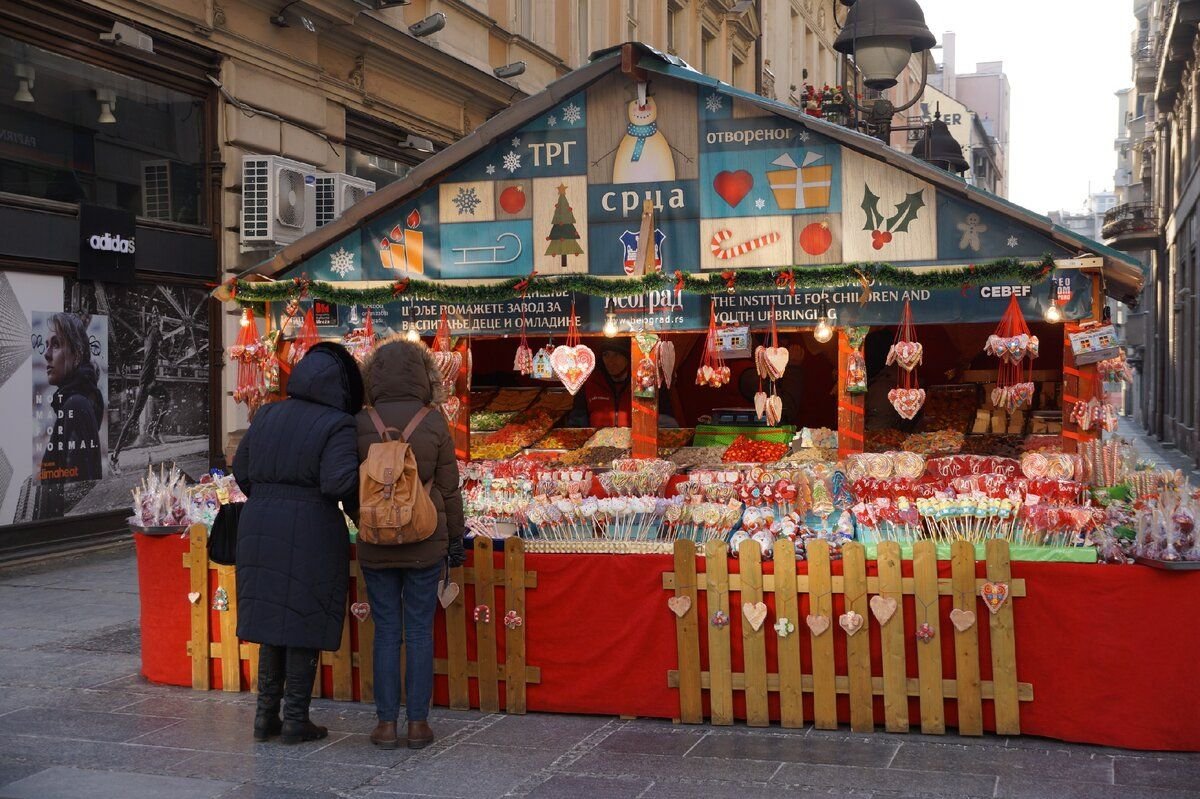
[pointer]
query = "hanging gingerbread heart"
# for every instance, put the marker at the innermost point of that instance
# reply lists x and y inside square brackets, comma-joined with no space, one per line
[776,359]
[573,365]
[523,362]
[449,364]
[907,401]
[760,404]
[994,595]
[666,361]
[774,410]
[906,354]
[360,611]
[450,408]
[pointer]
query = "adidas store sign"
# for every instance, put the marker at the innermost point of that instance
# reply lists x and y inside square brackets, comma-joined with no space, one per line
[110,243]
[107,246]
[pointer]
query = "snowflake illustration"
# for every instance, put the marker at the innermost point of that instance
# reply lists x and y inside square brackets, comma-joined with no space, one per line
[803,135]
[551,120]
[490,169]
[714,103]
[342,262]
[1012,241]
[511,161]
[516,142]
[760,203]
[571,113]
[466,201]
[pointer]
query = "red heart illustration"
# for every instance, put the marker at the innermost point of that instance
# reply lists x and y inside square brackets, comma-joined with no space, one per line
[733,186]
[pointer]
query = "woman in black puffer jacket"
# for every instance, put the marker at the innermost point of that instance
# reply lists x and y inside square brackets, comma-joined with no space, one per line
[297,461]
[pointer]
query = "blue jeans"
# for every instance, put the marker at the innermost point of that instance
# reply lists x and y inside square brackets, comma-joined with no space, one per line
[403,602]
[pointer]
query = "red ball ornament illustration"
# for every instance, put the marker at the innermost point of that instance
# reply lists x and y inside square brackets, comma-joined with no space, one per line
[512,200]
[816,239]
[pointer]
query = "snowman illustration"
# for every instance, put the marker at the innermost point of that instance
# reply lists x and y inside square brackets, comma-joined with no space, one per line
[644,155]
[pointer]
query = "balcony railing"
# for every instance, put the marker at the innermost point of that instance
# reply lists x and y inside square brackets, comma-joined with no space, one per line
[1130,219]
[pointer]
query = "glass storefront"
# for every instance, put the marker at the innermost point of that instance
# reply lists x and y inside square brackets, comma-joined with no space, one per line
[73,132]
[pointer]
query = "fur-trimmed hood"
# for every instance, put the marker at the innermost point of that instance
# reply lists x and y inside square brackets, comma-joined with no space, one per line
[328,375]
[400,369]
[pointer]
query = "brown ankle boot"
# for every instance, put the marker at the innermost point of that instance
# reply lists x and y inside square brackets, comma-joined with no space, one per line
[384,735]
[419,735]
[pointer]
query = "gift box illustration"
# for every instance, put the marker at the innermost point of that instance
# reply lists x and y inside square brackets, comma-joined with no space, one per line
[797,187]
[404,250]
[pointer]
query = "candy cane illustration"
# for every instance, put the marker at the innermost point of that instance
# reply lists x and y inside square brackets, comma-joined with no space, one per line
[725,253]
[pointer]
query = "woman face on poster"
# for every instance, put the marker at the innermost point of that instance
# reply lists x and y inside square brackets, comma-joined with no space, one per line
[66,349]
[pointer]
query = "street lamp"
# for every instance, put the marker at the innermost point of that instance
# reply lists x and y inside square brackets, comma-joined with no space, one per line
[937,146]
[881,35]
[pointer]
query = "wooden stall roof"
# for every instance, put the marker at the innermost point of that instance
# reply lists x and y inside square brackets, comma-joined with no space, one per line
[1122,276]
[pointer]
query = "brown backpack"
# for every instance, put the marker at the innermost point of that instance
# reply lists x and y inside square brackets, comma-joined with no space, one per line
[393,506]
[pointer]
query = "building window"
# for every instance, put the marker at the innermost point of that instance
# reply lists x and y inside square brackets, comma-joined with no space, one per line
[708,54]
[375,150]
[582,28]
[738,72]
[79,133]
[673,39]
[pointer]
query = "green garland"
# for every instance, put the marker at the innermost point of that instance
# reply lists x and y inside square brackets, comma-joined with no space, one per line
[730,281]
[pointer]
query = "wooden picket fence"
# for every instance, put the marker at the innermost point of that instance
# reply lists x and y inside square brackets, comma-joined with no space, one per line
[351,664]
[861,683]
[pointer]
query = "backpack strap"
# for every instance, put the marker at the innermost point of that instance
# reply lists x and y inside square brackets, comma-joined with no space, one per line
[380,428]
[412,425]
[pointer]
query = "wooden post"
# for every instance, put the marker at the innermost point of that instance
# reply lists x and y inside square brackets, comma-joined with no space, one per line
[198,580]
[645,409]
[720,693]
[687,637]
[852,408]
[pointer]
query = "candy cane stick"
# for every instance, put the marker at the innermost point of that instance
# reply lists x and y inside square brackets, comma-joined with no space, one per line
[725,253]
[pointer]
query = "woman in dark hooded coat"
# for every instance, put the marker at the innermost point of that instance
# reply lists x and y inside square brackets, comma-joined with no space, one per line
[297,461]
[402,580]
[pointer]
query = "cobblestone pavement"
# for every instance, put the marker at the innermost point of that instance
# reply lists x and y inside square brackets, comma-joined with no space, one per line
[78,722]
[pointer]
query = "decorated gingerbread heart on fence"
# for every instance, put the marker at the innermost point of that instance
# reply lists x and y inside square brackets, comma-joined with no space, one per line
[851,622]
[756,614]
[994,595]
[447,594]
[573,365]
[962,620]
[680,605]
[884,607]
[817,623]
[360,611]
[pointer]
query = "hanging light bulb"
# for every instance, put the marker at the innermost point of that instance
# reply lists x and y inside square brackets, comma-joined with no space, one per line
[1053,314]
[245,321]
[824,331]
[412,335]
[610,326]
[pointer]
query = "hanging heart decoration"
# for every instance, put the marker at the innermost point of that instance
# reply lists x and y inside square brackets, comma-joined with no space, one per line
[449,364]
[1013,348]
[817,623]
[851,622]
[906,354]
[925,633]
[774,410]
[907,401]
[360,611]
[776,359]
[760,404]
[447,594]
[962,620]
[523,362]
[883,607]
[680,605]
[451,407]
[994,595]
[755,613]
[646,341]
[194,597]
[666,361]
[713,377]
[1010,398]
[573,365]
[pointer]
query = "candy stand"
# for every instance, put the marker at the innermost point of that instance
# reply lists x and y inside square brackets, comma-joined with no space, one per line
[758,421]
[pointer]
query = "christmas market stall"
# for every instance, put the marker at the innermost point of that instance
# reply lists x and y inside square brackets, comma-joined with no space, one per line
[758,420]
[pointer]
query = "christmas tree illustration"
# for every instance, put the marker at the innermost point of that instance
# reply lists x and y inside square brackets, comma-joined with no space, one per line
[563,238]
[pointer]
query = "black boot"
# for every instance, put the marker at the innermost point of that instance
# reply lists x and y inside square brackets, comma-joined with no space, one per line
[301,672]
[270,691]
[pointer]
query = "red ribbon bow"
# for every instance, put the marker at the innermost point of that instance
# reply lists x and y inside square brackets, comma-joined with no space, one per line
[788,279]
[399,287]
[730,278]
[523,285]
[679,280]
[967,286]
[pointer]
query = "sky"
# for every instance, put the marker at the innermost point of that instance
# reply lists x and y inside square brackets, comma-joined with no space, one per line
[1064,60]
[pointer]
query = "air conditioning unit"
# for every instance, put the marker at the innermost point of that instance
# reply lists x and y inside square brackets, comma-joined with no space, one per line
[170,191]
[336,193]
[279,200]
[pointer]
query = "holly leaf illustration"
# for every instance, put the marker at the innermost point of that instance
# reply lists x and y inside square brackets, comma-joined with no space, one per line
[906,212]
[870,204]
